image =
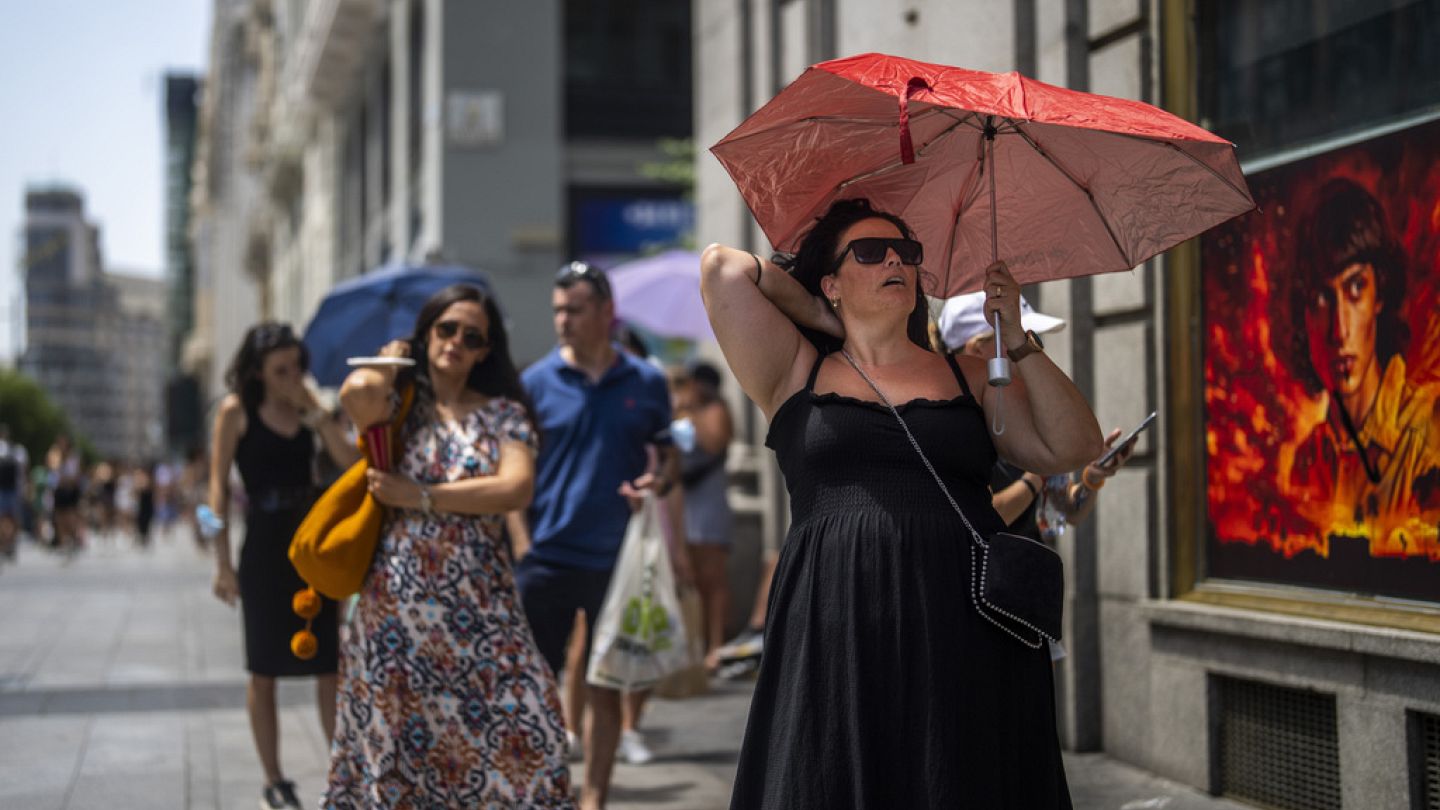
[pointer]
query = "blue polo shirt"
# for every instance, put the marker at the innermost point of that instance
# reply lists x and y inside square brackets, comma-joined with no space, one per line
[593,437]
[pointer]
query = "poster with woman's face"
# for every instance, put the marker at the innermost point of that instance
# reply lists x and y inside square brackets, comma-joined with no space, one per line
[1322,373]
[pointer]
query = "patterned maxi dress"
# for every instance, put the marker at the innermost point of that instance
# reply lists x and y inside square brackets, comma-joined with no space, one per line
[444,699]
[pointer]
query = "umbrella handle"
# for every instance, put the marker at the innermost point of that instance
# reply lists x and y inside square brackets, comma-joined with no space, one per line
[999,364]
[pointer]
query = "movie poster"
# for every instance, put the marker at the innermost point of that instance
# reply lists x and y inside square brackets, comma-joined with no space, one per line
[1322,373]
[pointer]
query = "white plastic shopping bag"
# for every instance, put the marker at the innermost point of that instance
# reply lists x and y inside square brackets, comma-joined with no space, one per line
[640,633]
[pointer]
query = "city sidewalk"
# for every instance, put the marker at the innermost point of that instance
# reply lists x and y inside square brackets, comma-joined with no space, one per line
[121,687]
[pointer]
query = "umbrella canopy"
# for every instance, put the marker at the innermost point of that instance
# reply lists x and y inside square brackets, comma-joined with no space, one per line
[1057,182]
[362,314]
[662,294]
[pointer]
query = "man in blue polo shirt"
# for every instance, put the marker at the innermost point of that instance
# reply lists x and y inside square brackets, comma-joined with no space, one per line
[598,408]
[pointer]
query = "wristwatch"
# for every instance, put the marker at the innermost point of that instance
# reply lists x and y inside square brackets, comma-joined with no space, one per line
[426,504]
[1031,345]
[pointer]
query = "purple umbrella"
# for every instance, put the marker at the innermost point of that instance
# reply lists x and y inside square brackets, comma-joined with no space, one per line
[662,294]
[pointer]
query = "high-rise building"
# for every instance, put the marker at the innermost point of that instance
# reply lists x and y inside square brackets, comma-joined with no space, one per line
[139,347]
[95,343]
[64,292]
[182,405]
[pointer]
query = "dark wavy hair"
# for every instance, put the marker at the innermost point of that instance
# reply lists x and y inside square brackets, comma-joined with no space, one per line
[816,259]
[242,376]
[495,376]
[1346,226]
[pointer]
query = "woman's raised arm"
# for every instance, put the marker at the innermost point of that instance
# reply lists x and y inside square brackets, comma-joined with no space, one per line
[754,307]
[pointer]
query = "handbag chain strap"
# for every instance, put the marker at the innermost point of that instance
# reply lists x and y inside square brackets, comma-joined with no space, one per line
[976,596]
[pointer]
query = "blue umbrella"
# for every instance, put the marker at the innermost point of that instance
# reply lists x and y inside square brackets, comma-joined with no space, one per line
[362,314]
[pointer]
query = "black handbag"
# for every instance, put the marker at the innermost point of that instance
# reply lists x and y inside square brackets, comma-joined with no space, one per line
[1016,584]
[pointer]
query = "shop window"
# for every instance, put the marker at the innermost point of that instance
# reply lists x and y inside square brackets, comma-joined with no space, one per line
[1320,338]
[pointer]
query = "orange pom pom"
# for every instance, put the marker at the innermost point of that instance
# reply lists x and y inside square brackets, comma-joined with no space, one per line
[306,603]
[304,645]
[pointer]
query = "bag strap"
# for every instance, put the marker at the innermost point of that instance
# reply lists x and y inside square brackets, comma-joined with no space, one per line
[976,596]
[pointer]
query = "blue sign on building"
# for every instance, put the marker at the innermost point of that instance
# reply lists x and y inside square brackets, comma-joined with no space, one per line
[620,225]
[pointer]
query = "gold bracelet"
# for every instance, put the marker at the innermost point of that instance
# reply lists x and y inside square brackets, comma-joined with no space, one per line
[1085,479]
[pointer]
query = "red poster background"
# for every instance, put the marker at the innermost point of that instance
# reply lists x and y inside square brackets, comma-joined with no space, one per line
[1257,412]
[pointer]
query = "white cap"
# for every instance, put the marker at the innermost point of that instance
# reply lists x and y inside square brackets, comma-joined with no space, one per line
[963,317]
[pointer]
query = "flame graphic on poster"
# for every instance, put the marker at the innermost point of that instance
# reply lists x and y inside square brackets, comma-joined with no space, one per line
[1261,415]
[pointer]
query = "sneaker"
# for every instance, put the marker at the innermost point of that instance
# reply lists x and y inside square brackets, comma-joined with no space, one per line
[632,748]
[280,796]
[749,644]
[577,748]
[744,669]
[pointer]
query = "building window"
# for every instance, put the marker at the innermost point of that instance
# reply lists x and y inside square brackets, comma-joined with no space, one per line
[627,68]
[1277,73]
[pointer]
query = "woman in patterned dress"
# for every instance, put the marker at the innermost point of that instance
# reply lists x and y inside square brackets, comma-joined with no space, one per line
[444,699]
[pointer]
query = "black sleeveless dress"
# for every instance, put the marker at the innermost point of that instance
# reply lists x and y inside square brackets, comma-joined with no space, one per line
[279,489]
[880,686]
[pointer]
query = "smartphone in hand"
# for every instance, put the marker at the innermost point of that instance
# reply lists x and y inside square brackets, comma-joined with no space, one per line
[1127,439]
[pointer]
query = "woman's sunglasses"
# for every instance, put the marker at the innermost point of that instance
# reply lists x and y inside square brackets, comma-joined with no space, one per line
[872,250]
[272,335]
[470,338]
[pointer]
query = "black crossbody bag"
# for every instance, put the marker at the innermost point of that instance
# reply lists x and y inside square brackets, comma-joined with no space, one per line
[1016,584]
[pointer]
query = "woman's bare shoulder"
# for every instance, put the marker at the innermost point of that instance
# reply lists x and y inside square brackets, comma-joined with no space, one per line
[975,370]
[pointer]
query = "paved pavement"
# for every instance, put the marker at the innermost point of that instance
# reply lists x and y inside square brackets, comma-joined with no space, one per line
[121,687]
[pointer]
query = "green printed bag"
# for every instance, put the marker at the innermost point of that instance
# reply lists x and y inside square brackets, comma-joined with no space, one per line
[640,633]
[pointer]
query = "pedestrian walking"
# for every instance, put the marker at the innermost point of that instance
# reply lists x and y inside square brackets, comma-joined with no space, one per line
[445,700]
[599,408]
[67,488]
[267,427]
[882,685]
[104,518]
[695,394]
[190,493]
[14,462]
[631,748]
[144,485]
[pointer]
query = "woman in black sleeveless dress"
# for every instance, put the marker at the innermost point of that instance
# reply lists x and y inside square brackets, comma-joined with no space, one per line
[881,687]
[267,427]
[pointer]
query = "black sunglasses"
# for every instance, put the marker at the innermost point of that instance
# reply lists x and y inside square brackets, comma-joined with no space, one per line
[872,250]
[577,271]
[470,338]
[270,335]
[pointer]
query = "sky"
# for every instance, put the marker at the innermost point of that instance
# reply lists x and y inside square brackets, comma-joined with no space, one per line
[82,93]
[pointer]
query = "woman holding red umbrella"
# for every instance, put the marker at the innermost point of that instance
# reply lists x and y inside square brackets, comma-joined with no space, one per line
[881,686]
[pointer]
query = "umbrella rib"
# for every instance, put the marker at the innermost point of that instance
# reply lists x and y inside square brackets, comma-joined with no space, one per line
[898,163]
[830,119]
[1197,161]
[965,201]
[1040,150]
[941,135]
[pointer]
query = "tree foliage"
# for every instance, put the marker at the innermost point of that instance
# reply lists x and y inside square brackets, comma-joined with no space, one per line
[678,167]
[35,421]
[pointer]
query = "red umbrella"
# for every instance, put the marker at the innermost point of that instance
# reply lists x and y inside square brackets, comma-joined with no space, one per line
[1057,182]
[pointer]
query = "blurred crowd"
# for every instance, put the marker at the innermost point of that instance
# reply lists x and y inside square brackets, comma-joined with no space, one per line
[64,503]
